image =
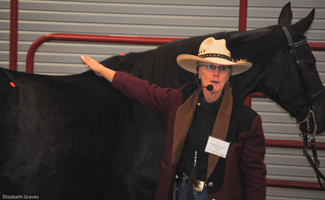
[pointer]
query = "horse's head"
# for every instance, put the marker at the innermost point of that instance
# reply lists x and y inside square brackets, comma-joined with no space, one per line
[284,69]
[274,72]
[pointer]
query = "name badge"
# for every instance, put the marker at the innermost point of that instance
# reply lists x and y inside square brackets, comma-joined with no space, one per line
[217,147]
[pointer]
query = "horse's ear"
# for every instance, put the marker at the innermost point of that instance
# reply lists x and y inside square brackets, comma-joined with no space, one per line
[285,15]
[303,25]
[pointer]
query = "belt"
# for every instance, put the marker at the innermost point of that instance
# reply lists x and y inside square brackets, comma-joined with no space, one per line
[201,185]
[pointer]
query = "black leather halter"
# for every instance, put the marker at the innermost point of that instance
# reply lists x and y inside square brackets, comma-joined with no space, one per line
[310,116]
[300,114]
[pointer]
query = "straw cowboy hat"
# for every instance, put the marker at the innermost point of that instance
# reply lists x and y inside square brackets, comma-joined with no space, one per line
[212,51]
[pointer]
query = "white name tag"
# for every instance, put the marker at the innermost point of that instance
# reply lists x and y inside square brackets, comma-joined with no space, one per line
[217,147]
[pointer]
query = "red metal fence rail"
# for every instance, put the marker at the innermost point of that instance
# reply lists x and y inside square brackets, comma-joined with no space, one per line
[90,38]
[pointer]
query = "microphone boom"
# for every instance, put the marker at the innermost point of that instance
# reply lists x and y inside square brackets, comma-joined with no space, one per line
[208,87]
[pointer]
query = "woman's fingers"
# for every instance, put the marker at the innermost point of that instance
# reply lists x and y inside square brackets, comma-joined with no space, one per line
[93,64]
[98,68]
[89,61]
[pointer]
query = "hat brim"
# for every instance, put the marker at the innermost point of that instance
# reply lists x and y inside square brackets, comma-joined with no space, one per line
[189,63]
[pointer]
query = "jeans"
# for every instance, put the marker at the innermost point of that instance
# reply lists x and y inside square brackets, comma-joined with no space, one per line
[184,187]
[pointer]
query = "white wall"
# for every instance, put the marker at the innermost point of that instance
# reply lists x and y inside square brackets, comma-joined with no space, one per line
[166,18]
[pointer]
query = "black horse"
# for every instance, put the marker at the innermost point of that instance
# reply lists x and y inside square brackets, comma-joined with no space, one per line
[74,137]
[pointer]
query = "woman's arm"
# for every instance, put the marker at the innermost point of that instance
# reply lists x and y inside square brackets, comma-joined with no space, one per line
[253,166]
[99,69]
[141,90]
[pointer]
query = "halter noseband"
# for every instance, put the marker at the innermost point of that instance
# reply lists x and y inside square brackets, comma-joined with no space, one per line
[308,102]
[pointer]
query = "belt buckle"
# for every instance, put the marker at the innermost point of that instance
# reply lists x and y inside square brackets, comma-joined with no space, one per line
[200,186]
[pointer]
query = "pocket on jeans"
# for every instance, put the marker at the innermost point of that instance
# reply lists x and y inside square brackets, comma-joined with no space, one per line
[182,191]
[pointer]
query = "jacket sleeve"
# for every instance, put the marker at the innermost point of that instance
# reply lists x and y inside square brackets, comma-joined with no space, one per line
[253,166]
[149,94]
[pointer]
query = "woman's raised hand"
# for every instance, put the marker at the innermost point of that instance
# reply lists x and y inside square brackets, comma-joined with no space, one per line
[98,68]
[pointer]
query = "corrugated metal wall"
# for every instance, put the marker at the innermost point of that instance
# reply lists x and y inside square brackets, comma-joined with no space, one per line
[165,18]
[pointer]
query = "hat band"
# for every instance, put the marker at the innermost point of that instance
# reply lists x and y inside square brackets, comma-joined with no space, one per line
[217,55]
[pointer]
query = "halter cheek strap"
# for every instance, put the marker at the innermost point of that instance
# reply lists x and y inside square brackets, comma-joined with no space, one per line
[310,116]
[293,47]
[308,102]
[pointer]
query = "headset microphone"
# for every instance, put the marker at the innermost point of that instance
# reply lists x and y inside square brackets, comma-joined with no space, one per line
[198,83]
[208,87]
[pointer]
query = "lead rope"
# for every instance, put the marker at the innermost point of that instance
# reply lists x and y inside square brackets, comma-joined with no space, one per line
[314,163]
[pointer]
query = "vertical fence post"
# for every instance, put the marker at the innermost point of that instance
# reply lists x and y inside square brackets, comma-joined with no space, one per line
[242,15]
[13,34]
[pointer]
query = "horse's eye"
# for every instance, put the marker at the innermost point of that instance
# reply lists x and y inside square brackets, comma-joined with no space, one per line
[311,63]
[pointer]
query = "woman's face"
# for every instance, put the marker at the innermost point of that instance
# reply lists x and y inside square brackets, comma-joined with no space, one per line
[215,75]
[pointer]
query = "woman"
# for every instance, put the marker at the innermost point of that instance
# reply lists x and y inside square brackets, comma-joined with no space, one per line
[216,145]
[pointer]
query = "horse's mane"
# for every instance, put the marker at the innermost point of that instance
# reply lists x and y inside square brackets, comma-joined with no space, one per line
[159,65]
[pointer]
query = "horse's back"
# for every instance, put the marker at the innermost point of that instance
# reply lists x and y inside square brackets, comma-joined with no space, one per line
[49,126]
[61,136]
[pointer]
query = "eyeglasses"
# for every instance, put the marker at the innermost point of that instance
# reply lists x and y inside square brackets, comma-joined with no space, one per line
[211,68]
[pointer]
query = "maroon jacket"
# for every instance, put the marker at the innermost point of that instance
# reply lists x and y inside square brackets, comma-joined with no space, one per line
[240,176]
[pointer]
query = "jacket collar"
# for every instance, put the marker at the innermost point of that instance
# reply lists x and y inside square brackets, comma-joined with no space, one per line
[184,117]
